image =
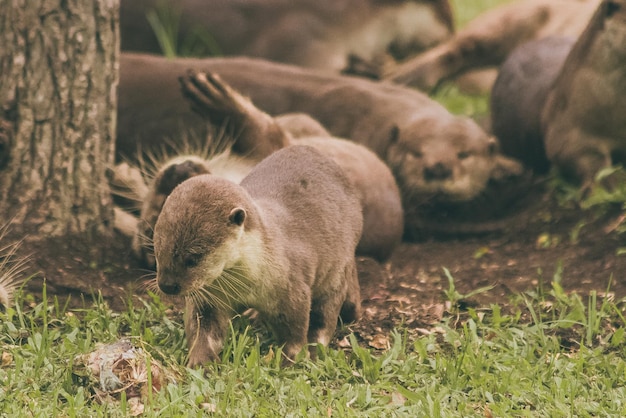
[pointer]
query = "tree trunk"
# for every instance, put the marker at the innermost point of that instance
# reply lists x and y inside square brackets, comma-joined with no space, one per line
[58,80]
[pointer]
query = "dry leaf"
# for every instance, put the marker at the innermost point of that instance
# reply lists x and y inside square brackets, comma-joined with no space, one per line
[380,342]
[7,359]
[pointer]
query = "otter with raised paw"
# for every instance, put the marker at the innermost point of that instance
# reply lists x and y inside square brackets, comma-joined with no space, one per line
[434,155]
[257,136]
[282,242]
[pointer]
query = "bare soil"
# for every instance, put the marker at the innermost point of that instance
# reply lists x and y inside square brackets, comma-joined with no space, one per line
[535,241]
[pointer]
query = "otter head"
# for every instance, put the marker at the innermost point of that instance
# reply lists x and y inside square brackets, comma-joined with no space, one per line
[446,160]
[198,235]
[170,175]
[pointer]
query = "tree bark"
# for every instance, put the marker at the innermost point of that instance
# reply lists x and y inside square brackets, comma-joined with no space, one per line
[58,80]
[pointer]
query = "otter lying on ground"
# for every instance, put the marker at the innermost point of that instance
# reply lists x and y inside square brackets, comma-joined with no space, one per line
[311,33]
[282,243]
[584,118]
[487,40]
[257,136]
[434,155]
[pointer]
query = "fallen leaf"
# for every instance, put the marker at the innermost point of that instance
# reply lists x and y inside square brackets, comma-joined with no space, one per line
[379,342]
[7,359]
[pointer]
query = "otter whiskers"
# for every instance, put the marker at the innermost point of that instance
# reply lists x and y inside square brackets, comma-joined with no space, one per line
[226,291]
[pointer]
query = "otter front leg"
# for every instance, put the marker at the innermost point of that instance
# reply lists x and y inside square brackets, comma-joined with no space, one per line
[256,133]
[205,330]
[291,323]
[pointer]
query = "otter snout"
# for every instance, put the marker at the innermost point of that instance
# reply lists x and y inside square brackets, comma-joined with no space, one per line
[438,171]
[169,287]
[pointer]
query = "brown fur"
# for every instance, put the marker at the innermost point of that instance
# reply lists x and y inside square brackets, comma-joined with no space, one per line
[211,97]
[282,243]
[488,39]
[311,33]
[377,189]
[173,173]
[432,153]
[584,116]
[519,94]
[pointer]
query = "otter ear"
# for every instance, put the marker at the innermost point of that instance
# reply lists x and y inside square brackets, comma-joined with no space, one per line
[237,216]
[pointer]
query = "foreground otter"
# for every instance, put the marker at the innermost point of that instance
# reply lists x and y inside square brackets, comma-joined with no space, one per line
[311,33]
[487,40]
[282,243]
[518,96]
[584,116]
[257,136]
[434,155]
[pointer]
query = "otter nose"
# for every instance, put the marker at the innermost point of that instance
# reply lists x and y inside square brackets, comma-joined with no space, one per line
[437,171]
[170,288]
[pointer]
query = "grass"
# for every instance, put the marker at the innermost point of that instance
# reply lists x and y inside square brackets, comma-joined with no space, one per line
[164,20]
[554,354]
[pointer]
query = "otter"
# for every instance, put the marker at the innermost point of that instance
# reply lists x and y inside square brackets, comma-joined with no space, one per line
[434,155]
[257,136]
[282,243]
[519,94]
[488,39]
[583,117]
[311,33]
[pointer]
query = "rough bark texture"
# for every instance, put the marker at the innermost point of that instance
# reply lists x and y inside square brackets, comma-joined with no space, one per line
[58,80]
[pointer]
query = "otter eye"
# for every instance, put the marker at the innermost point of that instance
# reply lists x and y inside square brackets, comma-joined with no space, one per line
[192,260]
[416,154]
[463,155]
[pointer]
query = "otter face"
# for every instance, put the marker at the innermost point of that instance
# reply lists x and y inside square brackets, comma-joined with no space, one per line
[448,162]
[198,236]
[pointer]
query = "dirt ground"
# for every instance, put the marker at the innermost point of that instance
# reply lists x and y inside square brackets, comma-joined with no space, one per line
[409,289]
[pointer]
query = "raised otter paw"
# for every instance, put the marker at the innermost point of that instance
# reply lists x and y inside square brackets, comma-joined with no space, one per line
[210,97]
